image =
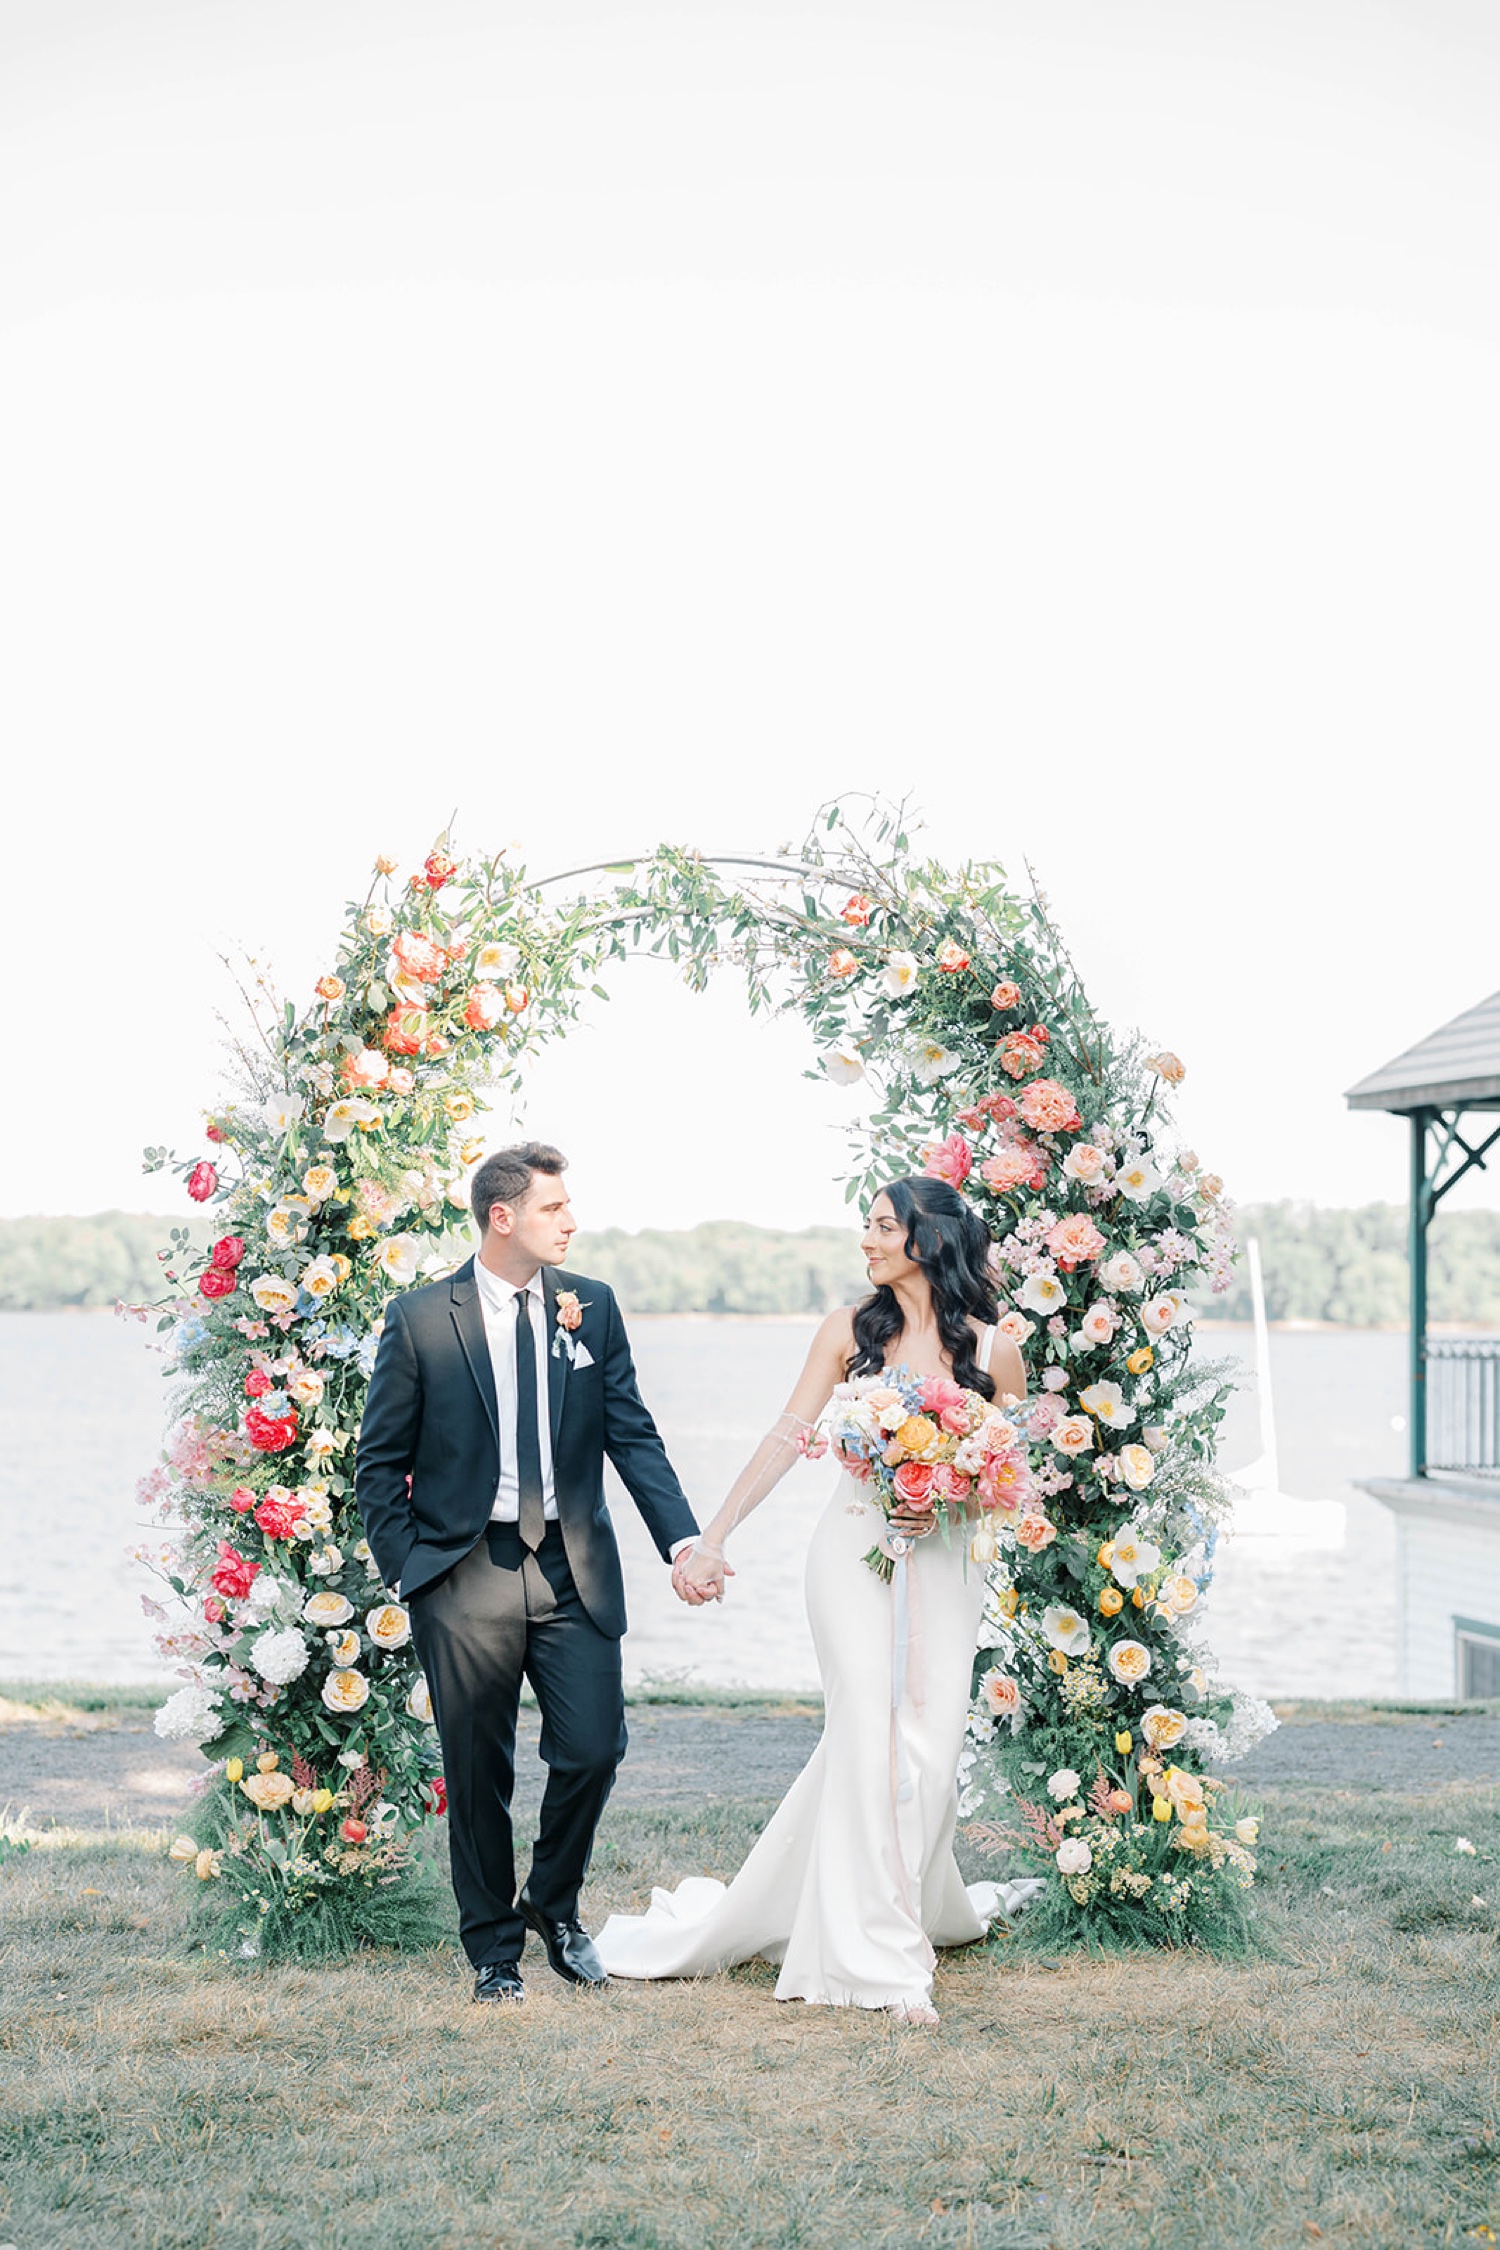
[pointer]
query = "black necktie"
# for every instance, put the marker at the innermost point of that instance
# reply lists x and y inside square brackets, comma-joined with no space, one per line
[528,1438]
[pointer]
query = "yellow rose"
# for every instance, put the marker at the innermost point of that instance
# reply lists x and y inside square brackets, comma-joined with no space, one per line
[322,1800]
[1141,1362]
[268,1792]
[1057,1662]
[1161,1808]
[183,1849]
[471,1152]
[1111,1602]
[361,1228]
[460,1107]
[1124,1744]
[916,1434]
[1106,1555]
[234,1769]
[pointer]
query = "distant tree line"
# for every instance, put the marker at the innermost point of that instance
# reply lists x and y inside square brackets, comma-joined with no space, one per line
[1344,1266]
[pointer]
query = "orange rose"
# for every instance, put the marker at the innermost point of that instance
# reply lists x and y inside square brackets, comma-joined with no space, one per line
[1048,1107]
[329,988]
[1020,1054]
[1005,994]
[484,1008]
[841,962]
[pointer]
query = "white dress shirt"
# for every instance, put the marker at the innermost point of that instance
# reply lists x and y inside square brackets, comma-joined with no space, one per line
[497,1302]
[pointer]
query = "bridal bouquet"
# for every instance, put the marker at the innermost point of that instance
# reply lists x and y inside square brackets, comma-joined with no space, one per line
[924,1444]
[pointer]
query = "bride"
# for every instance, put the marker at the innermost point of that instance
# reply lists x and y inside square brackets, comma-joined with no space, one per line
[854,1881]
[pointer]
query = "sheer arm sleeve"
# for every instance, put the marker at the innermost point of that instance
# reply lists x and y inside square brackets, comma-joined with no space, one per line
[767,1465]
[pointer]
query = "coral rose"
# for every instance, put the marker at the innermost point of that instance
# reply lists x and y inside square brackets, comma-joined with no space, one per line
[1020,1054]
[855,911]
[202,1182]
[484,1007]
[1074,1240]
[1034,1533]
[1073,1435]
[914,1481]
[1048,1107]
[841,962]
[233,1574]
[1005,994]
[438,867]
[951,1160]
[1000,1695]
[418,956]
[1019,1165]
[406,1030]
[353,1831]
[951,957]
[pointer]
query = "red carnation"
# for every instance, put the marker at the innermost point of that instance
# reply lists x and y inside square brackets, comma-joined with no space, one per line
[202,1182]
[228,1251]
[215,1282]
[268,1434]
[257,1383]
[233,1574]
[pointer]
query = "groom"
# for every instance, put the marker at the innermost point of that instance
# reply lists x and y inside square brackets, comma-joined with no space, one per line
[480,1478]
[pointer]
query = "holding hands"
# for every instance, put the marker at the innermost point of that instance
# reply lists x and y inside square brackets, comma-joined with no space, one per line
[699,1574]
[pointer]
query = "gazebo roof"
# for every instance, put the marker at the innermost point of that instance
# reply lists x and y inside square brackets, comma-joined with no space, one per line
[1455,1067]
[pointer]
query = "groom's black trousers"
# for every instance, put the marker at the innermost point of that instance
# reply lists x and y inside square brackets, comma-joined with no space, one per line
[497,1617]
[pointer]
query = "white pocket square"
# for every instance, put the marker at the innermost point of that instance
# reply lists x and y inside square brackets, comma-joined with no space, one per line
[582,1356]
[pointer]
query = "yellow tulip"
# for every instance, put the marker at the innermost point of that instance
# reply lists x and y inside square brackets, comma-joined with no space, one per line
[234,1770]
[1161,1808]
[1009,1601]
[322,1799]
[1124,1744]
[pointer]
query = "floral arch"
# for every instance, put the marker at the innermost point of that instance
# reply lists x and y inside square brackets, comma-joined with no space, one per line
[339,1168]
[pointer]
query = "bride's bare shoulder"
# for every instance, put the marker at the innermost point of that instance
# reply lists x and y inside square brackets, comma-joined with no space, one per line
[837,1328]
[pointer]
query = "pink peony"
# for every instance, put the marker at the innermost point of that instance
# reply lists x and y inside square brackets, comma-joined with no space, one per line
[1005,1480]
[202,1182]
[1019,1165]
[233,1574]
[951,1160]
[271,1433]
[1049,1108]
[1074,1240]
[951,1484]
[418,956]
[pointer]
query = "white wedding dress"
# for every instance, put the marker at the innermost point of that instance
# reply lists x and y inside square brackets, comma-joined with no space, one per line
[854,1882]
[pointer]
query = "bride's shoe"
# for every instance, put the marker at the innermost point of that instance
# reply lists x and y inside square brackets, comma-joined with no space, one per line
[912,2011]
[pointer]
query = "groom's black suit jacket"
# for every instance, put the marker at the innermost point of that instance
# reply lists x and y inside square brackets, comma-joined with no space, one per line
[430,1416]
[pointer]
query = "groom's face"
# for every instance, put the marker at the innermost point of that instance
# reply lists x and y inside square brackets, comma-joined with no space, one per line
[541,1225]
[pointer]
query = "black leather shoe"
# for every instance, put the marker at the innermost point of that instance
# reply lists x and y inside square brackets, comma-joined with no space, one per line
[499,1980]
[570,1949]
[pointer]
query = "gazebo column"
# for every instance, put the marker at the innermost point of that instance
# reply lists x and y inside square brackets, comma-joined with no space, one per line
[1420,1213]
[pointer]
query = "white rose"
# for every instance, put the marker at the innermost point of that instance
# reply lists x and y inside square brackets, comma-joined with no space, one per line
[343,1648]
[272,1293]
[379,921]
[1159,1313]
[900,974]
[306,1386]
[326,1563]
[1097,1325]
[283,1111]
[327,1608]
[1137,1468]
[1063,1784]
[388,1626]
[1042,1291]
[1085,1164]
[1074,1856]
[1121,1272]
[344,1691]
[1139,1181]
[1129,1662]
[1106,1402]
[280,1657]
[1155,1436]
[286,1221]
[321,1278]
[419,1702]
[319,1444]
[398,1258]
[842,1063]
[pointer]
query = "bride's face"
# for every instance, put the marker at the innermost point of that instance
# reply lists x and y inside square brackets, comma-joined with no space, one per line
[884,1245]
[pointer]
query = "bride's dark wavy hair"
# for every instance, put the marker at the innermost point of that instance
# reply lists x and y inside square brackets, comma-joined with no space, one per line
[951,1243]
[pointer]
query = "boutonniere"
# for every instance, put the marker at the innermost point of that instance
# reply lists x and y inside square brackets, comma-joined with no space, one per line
[569,1318]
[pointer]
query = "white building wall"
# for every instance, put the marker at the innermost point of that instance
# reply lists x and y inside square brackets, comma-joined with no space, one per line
[1445,1570]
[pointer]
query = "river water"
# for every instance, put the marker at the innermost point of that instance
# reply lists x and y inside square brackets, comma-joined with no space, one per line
[81,1412]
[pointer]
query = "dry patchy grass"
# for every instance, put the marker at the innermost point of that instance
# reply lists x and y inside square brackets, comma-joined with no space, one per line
[1343,2088]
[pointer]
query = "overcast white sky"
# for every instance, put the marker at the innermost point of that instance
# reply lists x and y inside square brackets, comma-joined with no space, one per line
[622,423]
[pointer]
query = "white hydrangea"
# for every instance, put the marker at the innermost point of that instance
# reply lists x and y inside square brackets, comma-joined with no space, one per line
[280,1657]
[191,1715]
[1250,1721]
[264,1598]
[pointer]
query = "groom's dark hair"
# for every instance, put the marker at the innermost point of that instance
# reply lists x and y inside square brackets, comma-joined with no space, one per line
[505,1176]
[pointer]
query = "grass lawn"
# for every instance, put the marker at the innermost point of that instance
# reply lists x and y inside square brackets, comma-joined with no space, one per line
[1345,2088]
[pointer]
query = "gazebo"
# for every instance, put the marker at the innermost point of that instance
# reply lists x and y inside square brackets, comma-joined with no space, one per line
[1448,1505]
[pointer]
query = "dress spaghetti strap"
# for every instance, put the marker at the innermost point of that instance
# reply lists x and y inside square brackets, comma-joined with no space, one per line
[986,1346]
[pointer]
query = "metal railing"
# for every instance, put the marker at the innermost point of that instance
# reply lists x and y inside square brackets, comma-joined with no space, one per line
[1463,1404]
